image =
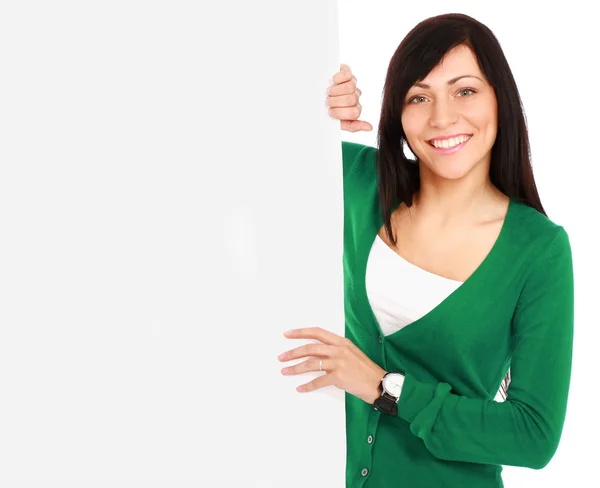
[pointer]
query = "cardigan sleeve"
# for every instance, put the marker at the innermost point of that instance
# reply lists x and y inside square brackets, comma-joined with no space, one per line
[350,153]
[525,429]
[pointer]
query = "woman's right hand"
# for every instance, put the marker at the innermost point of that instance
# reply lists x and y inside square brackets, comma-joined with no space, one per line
[343,100]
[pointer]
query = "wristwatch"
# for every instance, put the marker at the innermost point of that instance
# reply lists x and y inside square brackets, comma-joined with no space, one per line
[390,388]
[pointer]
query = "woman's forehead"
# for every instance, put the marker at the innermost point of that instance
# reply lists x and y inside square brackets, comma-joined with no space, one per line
[457,63]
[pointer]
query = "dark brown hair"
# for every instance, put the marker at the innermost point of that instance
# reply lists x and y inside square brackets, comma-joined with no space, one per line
[419,52]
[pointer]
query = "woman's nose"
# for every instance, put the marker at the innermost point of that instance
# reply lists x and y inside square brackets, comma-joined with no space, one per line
[442,115]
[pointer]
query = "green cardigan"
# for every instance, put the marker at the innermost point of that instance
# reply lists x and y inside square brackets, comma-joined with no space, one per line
[516,309]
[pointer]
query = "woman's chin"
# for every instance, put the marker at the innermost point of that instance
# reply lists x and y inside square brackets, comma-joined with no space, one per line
[449,171]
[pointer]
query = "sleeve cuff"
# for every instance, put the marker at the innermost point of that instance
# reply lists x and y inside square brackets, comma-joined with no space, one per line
[419,403]
[414,397]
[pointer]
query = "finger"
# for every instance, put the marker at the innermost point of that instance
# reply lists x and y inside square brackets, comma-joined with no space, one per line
[342,77]
[343,101]
[344,89]
[320,382]
[325,336]
[345,113]
[355,125]
[319,350]
[308,366]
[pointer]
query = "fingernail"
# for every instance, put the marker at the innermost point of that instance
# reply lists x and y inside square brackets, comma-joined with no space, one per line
[281,356]
[288,333]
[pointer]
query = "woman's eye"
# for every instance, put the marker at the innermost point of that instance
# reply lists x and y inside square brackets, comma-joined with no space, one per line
[467,90]
[463,93]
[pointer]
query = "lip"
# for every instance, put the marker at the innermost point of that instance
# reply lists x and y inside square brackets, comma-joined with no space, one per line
[450,150]
[451,136]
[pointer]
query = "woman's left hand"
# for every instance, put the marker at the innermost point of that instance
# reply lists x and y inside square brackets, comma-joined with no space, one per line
[346,366]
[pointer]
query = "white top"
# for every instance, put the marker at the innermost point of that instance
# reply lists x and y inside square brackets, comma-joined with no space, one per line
[400,292]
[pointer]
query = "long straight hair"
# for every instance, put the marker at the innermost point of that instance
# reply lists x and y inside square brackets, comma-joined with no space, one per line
[419,52]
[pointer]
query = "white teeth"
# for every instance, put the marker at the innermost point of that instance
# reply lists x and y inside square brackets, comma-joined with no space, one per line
[447,143]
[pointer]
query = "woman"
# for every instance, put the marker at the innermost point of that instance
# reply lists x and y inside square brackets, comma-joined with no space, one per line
[453,273]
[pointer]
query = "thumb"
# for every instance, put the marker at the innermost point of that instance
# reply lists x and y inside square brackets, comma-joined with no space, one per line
[355,125]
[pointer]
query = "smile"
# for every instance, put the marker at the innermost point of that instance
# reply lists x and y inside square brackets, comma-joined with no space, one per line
[449,146]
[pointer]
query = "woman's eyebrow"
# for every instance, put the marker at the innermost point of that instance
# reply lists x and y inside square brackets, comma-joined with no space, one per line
[450,82]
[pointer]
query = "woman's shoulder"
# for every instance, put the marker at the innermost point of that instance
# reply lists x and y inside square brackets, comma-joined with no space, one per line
[357,157]
[535,229]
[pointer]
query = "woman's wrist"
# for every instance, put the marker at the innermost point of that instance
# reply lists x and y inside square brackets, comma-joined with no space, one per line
[376,392]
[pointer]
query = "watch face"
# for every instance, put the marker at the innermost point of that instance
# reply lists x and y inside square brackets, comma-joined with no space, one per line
[392,383]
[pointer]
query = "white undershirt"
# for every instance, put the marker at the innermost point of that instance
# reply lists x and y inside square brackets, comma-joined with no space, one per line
[400,292]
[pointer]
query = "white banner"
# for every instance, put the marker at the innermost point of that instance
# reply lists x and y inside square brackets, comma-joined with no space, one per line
[170,204]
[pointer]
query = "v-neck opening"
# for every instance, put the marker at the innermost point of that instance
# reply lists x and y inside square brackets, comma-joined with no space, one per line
[410,265]
[368,245]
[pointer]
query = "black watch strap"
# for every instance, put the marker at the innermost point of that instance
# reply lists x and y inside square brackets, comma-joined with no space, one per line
[386,403]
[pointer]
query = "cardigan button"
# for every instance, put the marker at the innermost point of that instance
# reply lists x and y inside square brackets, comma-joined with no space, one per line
[364,472]
[370,439]
[380,339]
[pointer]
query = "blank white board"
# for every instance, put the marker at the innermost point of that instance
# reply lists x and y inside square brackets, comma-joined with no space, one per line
[170,203]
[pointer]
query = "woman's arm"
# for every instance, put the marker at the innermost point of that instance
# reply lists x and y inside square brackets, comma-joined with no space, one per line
[525,429]
[350,153]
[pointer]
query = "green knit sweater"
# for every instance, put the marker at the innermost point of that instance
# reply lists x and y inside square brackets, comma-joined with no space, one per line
[516,310]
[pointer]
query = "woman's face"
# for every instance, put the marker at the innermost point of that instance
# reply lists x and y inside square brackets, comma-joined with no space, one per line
[455,109]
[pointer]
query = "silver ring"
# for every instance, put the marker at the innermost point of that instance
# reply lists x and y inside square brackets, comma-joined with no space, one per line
[321,365]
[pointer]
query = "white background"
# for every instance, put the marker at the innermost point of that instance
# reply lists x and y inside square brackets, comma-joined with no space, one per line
[170,204]
[170,187]
[551,49]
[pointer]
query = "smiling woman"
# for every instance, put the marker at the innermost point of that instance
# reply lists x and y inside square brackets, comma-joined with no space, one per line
[446,114]
[454,275]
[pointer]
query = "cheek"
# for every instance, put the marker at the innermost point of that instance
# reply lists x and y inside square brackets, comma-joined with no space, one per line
[484,116]
[487,119]
[411,125]
[488,124]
